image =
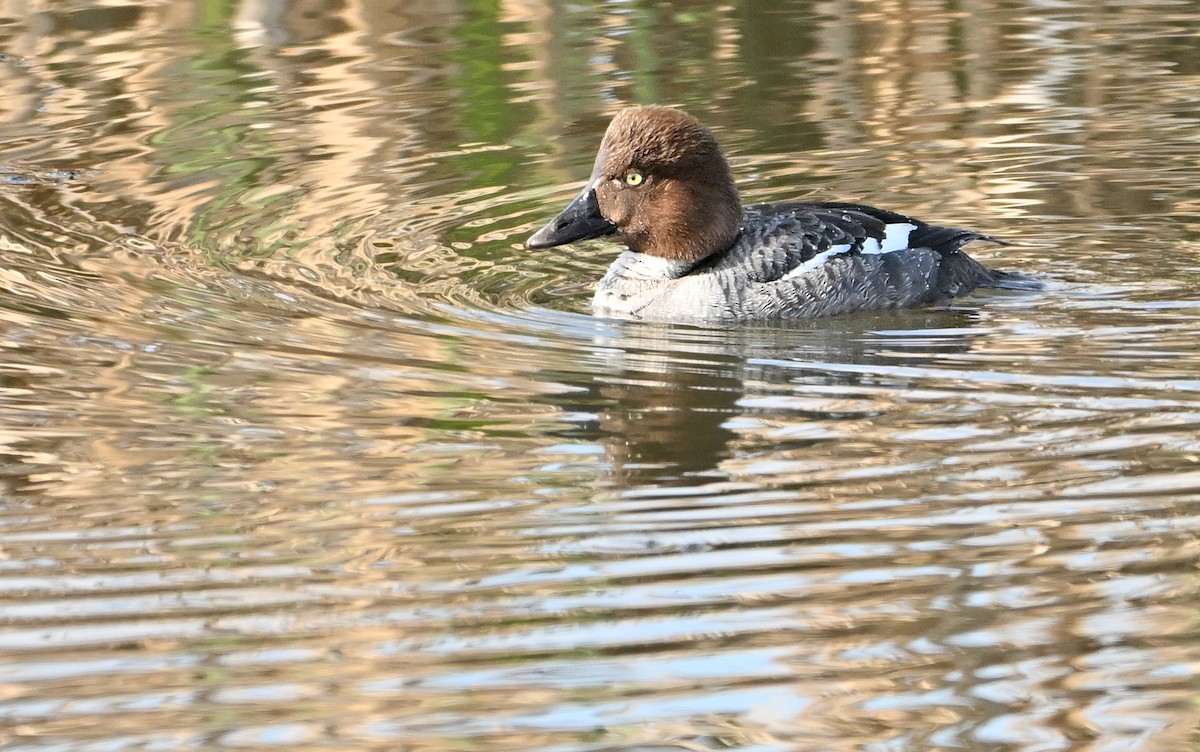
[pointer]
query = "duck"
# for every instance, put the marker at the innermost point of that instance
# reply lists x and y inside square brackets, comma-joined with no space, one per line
[662,187]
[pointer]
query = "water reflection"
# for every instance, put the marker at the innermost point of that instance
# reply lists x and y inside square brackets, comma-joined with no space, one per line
[301,448]
[676,398]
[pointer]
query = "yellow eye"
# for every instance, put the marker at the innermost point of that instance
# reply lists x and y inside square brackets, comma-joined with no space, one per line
[634,178]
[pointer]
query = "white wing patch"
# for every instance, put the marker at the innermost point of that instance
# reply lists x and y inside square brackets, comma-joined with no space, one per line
[817,260]
[895,236]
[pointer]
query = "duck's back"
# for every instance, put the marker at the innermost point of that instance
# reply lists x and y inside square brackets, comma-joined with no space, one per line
[801,260]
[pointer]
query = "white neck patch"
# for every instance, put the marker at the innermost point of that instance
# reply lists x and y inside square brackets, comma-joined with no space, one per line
[631,264]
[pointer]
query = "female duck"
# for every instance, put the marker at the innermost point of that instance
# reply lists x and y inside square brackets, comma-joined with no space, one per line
[662,186]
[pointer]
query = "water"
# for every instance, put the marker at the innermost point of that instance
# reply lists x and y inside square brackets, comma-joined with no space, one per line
[303,450]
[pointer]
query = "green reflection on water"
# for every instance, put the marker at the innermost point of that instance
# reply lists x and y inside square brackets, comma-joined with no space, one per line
[486,113]
[210,137]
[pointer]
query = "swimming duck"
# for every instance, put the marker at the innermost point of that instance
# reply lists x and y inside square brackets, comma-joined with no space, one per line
[663,188]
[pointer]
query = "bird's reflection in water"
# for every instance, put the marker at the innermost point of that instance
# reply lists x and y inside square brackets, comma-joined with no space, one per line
[669,406]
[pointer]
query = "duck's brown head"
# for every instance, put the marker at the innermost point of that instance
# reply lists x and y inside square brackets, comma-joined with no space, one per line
[660,183]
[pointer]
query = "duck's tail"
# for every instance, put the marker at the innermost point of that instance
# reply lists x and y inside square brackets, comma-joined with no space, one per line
[997,279]
[949,241]
[1001,280]
[960,272]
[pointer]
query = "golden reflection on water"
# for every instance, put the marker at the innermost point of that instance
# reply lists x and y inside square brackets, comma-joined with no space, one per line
[301,448]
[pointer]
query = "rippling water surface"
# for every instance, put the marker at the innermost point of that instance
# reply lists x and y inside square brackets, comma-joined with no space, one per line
[303,450]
